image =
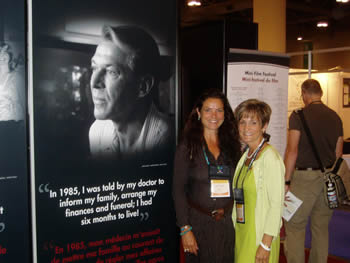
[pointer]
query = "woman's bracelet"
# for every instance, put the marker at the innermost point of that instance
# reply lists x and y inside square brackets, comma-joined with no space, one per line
[185,231]
[185,227]
[264,246]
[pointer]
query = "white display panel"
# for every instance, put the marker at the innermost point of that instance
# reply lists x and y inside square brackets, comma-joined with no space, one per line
[266,82]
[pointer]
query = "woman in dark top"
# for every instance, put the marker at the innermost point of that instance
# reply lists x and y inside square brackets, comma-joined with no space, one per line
[204,164]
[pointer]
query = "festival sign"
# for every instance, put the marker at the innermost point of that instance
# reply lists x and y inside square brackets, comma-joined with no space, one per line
[261,75]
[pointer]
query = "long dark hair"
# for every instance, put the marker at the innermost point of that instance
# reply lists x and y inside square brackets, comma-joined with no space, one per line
[193,135]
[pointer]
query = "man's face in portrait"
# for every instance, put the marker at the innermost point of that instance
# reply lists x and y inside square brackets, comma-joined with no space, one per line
[114,85]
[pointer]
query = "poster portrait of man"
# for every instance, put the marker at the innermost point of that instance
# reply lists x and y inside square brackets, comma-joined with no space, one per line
[104,82]
[126,70]
[103,129]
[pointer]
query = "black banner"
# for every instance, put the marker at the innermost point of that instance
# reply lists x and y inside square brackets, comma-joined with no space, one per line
[14,214]
[104,130]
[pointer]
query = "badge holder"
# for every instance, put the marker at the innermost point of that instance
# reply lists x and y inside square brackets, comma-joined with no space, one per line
[239,199]
[219,176]
[238,192]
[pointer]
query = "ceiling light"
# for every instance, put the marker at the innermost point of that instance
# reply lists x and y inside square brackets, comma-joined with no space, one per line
[299,38]
[342,1]
[194,2]
[322,24]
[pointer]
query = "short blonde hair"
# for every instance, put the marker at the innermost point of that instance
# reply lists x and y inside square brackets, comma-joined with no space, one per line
[254,107]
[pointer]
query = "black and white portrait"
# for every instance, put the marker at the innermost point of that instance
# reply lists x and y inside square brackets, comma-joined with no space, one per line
[126,71]
[12,85]
[103,98]
[104,80]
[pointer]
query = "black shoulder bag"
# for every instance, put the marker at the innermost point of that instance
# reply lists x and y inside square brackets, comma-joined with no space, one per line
[334,190]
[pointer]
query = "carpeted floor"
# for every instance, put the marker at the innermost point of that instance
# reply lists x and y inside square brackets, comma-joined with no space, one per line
[331,259]
[339,237]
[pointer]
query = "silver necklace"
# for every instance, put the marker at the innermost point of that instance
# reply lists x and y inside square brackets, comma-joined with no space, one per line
[252,154]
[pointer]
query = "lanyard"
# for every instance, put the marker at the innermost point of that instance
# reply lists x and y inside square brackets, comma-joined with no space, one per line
[251,162]
[219,167]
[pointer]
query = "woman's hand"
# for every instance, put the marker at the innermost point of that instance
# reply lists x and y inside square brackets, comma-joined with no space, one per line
[262,255]
[218,214]
[263,252]
[189,243]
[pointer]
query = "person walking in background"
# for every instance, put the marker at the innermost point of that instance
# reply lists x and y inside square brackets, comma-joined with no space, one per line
[258,188]
[303,175]
[204,164]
